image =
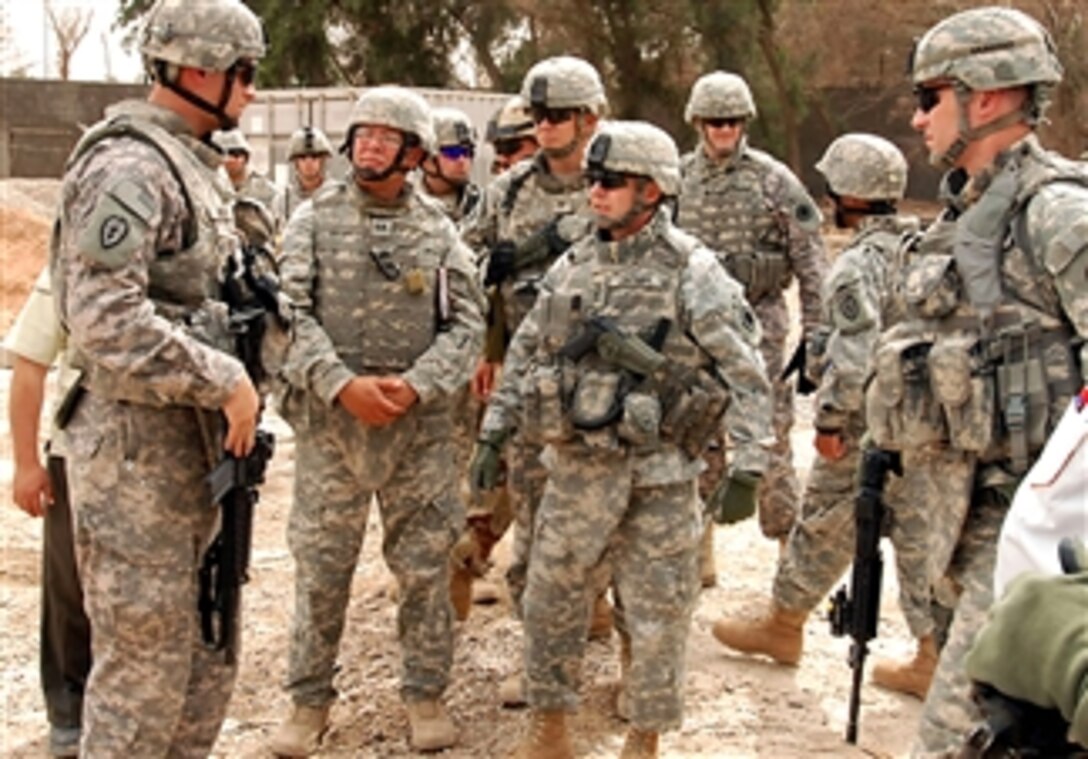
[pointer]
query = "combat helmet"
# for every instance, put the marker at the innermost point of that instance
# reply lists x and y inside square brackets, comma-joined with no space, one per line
[206,34]
[564,82]
[510,122]
[397,108]
[232,139]
[308,141]
[720,95]
[864,166]
[452,126]
[635,147]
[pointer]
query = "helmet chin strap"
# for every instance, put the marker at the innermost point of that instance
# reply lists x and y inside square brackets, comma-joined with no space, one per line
[968,134]
[570,147]
[396,166]
[162,75]
[638,205]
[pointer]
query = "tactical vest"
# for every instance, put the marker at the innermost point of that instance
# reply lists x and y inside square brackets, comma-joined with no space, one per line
[989,368]
[183,285]
[724,206]
[379,277]
[636,285]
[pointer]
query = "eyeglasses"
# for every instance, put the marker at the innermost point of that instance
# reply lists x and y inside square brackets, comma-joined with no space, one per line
[553,115]
[457,152]
[245,70]
[237,153]
[508,147]
[717,123]
[384,137]
[608,180]
[929,96]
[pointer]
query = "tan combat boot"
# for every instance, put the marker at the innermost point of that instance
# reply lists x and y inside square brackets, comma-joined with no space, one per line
[779,634]
[640,744]
[300,734]
[461,578]
[912,677]
[547,737]
[512,691]
[430,726]
[708,566]
[600,623]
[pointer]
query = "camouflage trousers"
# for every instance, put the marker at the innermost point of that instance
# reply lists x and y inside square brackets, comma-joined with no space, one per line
[341,464]
[142,519]
[821,544]
[949,715]
[526,478]
[779,492]
[592,505]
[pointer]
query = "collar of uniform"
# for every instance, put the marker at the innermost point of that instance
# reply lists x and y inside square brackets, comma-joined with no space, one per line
[368,202]
[639,245]
[169,121]
[550,182]
[725,165]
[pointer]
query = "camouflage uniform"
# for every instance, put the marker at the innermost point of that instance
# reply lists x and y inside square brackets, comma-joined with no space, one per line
[516,205]
[366,278]
[998,302]
[453,128]
[512,134]
[254,185]
[757,215]
[145,226]
[858,301]
[307,141]
[626,487]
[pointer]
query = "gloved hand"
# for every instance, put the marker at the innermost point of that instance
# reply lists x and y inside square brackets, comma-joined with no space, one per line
[734,500]
[500,263]
[486,462]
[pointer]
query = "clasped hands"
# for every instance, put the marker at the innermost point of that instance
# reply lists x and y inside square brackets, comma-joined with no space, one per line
[377,400]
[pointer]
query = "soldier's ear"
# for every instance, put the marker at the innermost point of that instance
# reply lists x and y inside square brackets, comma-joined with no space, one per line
[413,156]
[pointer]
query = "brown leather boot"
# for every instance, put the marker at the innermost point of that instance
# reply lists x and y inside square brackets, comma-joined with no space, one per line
[778,634]
[600,624]
[912,677]
[708,566]
[300,734]
[546,738]
[461,578]
[640,744]
[430,726]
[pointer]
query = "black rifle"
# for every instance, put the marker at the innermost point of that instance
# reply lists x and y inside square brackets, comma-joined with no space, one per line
[856,614]
[797,365]
[251,298]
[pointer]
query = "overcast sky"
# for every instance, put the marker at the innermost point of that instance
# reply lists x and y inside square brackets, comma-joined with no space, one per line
[32,31]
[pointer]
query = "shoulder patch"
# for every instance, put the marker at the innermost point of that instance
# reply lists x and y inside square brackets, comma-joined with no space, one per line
[113,231]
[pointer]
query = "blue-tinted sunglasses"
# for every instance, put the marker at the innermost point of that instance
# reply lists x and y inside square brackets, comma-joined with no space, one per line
[457,152]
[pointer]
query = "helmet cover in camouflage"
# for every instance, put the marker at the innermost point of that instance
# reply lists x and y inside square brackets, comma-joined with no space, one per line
[564,82]
[720,95]
[987,49]
[636,147]
[308,141]
[864,166]
[203,34]
[232,139]
[397,108]
[511,121]
[452,126]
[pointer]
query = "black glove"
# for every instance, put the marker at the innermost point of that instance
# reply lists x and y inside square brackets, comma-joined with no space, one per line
[500,263]
[805,386]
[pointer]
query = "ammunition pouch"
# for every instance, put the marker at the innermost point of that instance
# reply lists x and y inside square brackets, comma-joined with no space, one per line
[762,272]
[901,409]
[640,423]
[963,385]
[597,400]
[544,414]
[932,287]
[693,417]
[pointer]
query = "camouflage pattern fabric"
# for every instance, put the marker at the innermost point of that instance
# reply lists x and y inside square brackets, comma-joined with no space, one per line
[384,321]
[292,197]
[135,441]
[256,186]
[753,211]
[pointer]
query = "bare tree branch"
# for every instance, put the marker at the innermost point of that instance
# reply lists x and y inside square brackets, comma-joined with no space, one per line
[70,26]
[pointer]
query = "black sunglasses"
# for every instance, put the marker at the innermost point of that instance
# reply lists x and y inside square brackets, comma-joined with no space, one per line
[731,122]
[245,70]
[237,153]
[508,147]
[553,115]
[456,152]
[608,180]
[928,97]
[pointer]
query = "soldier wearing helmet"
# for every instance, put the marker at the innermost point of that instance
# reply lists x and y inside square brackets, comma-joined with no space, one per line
[753,210]
[1004,265]
[866,177]
[512,134]
[142,235]
[308,152]
[621,478]
[389,320]
[248,183]
[529,215]
[446,172]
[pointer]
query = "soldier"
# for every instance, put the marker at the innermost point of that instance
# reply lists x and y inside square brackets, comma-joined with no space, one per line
[308,152]
[389,320]
[446,174]
[142,234]
[624,453]
[528,217]
[247,181]
[34,342]
[512,134]
[997,306]
[752,210]
[866,177]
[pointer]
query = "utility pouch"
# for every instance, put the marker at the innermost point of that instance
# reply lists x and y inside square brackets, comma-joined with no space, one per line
[965,390]
[901,410]
[931,285]
[706,426]
[640,424]
[597,400]
[545,419]
[1025,406]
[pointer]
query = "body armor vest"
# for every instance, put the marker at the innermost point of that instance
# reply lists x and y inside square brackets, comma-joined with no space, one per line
[379,272]
[724,206]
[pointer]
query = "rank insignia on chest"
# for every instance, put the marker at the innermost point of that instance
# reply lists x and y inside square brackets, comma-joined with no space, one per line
[381,227]
[415,281]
